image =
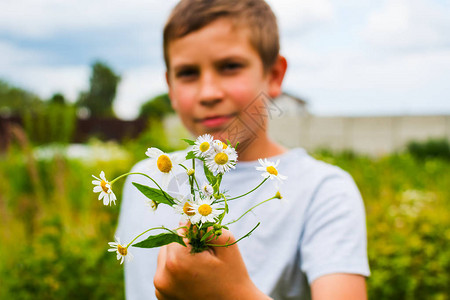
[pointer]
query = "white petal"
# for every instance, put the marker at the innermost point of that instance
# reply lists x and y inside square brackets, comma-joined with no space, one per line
[195,218]
[101,195]
[106,200]
[177,159]
[153,152]
[97,189]
[96,182]
[102,175]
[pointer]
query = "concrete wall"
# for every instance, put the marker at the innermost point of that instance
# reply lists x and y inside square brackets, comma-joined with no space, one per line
[370,135]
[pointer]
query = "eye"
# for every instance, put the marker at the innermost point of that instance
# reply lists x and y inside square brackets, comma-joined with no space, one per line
[231,67]
[188,73]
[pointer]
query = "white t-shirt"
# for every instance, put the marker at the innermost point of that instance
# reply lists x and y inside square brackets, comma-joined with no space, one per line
[317,228]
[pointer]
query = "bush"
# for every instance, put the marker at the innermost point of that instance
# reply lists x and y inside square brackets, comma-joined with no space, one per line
[433,148]
[54,238]
[54,231]
[408,222]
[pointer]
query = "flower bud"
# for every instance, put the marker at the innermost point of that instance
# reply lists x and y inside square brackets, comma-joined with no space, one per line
[152,204]
[190,172]
[278,195]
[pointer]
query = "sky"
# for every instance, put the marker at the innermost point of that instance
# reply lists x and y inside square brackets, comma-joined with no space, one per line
[345,57]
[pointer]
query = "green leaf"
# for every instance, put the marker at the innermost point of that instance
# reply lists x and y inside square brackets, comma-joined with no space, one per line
[190,155]
[209,175]
[155,194]
[159,240]
[190,142]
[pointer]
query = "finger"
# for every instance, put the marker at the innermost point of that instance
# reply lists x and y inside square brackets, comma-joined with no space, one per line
[161,261]
[225,239]
[163,296]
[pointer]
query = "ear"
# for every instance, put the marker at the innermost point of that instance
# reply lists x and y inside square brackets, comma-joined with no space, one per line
[172,101]
[276,76]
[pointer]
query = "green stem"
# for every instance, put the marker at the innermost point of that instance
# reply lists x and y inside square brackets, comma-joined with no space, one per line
[235,242]
[196,183]
[137,173]
[249,210]
[225,209]
[265,179]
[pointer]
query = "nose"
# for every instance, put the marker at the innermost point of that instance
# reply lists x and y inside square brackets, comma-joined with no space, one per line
[210,92]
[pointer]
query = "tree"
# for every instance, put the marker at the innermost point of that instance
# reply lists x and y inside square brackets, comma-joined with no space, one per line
[14,100]
[156,108]
[58,99]
[103,86]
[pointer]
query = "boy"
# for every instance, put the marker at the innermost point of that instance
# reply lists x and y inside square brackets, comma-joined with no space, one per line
[221,56]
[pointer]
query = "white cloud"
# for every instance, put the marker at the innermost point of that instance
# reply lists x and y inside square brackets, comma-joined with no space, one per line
[350,71]
[298,16]
[12,55]
[47,80]
[28,69]
[409,24]
[333,68]
[45,18]
[138,86]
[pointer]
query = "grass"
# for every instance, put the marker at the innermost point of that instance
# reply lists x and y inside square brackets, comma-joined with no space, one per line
[54,231]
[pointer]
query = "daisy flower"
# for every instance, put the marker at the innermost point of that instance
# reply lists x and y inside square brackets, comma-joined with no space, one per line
[207,189]
[203,145]
[184,205]
[205,211]
[164,163]
[222,161]
[270,170]
[219,146]
[103,187]
[122,251]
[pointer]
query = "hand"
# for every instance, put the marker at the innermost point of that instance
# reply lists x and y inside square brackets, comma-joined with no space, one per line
[219,273]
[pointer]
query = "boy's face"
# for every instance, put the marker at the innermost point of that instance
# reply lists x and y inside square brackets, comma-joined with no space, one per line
[214,77]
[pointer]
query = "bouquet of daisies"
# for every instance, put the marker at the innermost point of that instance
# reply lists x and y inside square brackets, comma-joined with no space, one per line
[205,207]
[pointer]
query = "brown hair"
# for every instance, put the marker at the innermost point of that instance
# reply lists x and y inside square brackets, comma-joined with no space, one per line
[256,15]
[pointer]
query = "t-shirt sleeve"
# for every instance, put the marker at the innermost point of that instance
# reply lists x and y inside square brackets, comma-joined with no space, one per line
[334,237]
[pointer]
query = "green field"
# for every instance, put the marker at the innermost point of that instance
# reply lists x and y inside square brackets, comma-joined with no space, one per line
[54,232]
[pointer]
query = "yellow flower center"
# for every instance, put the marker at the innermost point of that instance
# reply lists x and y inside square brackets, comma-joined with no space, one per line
[271,170]
[221,158]
[204,146]
[122,250]
[187,209]
[205,209]
[104,187]
[278,195]
[164,163]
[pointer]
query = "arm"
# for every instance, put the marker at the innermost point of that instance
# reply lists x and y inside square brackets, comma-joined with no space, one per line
[216,274]
[334,246]
[339,286]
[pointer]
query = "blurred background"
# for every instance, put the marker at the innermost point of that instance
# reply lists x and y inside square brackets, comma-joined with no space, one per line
[82,90]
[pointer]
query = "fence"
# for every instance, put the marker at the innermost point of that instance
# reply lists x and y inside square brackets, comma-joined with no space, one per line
[369,135]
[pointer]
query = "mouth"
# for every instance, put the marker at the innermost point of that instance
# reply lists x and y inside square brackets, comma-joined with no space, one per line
[215,121]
